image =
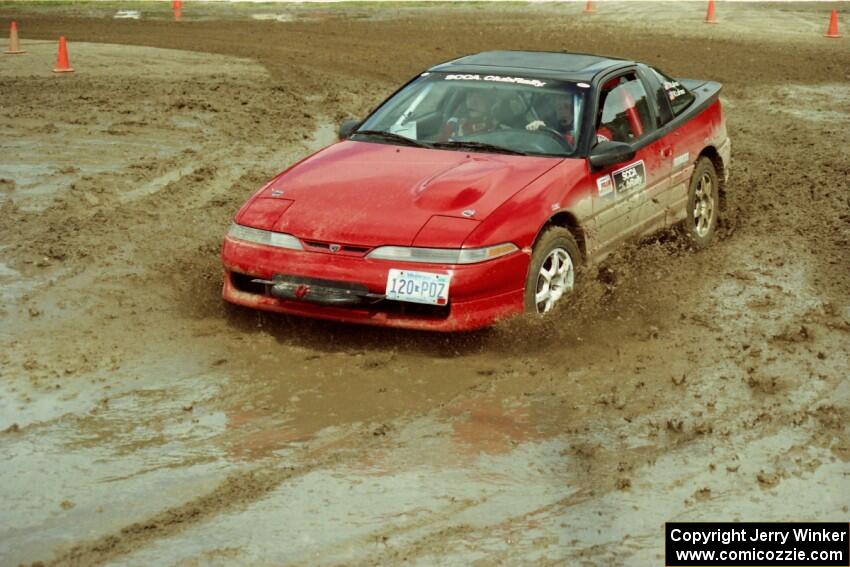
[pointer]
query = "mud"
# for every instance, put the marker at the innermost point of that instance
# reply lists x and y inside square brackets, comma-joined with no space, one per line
[142,421]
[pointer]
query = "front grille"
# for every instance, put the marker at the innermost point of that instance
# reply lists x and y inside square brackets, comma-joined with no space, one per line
[344,249]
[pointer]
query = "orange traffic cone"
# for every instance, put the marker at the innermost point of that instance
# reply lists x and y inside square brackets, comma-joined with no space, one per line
[14,48]
[589,6]
[709,15]
[833,25]
[62,65]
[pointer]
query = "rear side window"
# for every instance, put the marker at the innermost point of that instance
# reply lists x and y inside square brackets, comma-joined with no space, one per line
[625,115]
[679,97]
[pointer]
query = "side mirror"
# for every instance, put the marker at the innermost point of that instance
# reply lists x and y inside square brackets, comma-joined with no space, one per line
[347,127]
[604,154]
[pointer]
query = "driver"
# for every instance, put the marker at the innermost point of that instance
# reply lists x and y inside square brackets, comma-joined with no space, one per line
[562,104]
[478,117]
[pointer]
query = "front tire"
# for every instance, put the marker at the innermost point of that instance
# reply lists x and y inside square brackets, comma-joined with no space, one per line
[700,222]
[553,270]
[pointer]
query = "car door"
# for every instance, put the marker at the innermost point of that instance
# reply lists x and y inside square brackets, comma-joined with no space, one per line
[624,114]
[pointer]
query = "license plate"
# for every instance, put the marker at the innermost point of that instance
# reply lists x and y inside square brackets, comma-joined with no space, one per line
[418,287]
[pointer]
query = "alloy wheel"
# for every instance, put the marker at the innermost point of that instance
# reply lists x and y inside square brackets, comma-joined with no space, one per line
[703,205]
[556,277]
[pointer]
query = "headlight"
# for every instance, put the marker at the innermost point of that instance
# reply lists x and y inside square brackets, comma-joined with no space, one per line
[441,255]
[267,237]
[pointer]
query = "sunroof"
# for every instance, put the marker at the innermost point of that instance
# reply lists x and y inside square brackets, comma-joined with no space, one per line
[568,62]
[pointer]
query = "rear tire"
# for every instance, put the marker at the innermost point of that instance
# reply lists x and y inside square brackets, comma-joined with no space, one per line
[703,206]
[553,271]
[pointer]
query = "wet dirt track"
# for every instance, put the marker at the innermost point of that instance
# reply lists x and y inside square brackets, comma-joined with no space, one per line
[144,422]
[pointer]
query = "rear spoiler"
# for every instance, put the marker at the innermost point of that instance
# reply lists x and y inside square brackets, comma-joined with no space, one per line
[705,93]
[691,84]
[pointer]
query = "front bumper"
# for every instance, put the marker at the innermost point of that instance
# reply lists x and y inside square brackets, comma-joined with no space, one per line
[351,289]
[315,290]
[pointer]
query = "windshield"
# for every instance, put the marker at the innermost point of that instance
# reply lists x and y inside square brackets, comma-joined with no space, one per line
[481,112]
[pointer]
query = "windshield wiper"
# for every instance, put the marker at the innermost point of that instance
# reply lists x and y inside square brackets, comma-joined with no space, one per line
[480,146]
[391,137]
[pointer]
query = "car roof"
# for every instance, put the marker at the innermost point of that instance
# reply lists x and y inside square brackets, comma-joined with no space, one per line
[544,64]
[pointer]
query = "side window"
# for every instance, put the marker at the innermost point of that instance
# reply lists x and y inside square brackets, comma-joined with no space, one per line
[663,113]
[678,96]
[624,114]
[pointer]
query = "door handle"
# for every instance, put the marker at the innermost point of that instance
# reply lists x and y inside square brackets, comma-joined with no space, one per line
[667,152]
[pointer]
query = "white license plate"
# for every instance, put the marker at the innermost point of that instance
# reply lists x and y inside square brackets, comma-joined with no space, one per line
[418,287]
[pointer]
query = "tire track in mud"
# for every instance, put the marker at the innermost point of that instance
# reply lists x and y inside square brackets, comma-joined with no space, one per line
[238,490]
[236,493]
[156,211]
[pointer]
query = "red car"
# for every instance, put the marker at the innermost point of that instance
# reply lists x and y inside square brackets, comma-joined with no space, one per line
[478,189]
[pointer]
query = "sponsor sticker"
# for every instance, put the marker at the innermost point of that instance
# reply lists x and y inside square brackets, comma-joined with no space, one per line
[629,178]
[604,186]
[674,89]
[497,79]
[681,160]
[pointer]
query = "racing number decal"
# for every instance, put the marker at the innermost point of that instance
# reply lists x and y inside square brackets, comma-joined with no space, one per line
[629,178]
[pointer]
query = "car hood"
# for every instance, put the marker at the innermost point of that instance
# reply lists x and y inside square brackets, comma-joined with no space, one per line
[370,194]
